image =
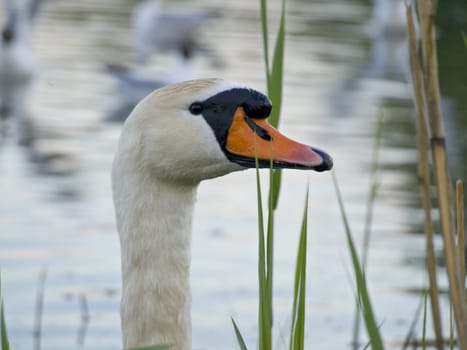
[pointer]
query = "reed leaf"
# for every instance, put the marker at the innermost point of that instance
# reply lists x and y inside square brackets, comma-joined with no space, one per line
[297,334]
[464,37]
[362,290]
[238,334]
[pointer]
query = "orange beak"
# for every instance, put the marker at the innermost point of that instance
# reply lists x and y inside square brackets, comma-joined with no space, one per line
[249,138]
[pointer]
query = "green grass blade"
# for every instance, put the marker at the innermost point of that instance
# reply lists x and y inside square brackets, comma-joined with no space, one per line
[238,334]
[372,194]
[274,82]
[464,36]
[451,328]
[264,28]
[364,297]
[297,334]
[424,321]
[3,331]
[270,242]
[413,324]
[276,74]
[275,188]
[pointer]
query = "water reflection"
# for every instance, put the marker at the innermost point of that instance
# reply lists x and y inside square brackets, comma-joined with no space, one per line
[338,79]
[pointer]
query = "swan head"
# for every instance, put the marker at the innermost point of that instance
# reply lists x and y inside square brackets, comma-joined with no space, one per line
[201,129]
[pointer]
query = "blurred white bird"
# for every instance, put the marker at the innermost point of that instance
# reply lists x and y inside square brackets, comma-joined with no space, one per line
[157,30]
[131,88]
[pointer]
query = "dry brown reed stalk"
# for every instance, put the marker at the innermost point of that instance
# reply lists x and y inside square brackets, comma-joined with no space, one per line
[460,235]
[430,86]
[425,179]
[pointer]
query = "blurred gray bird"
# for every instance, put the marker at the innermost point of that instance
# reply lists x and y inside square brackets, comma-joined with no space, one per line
[17,62]
[157,30]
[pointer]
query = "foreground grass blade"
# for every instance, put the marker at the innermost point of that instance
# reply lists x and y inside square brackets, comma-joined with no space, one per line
[276,74]
[413,324]
[241,341]
[424,321]
[3,331]
[274,81]
[270,241]
[362,290]
[264,28]
[370,203]
[297,334]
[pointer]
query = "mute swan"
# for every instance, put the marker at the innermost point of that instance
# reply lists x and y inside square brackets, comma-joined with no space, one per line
[176,137]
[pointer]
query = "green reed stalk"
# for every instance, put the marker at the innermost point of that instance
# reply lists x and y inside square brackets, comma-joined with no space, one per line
[423,170]
[427,14]
[366,307]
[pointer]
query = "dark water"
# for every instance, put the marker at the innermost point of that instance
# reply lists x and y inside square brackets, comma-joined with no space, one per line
[340,75]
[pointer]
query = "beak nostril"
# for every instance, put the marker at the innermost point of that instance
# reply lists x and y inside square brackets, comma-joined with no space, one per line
[258,130]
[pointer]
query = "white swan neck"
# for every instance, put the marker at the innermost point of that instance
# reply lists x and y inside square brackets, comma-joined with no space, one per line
[155,234]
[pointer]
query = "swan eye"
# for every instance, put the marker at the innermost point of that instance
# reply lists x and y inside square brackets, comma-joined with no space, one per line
[196,108]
